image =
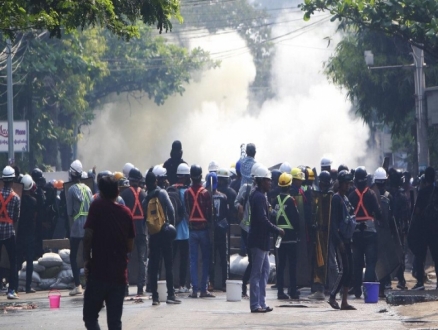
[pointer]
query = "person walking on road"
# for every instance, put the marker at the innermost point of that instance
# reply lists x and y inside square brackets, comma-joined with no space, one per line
[108,238]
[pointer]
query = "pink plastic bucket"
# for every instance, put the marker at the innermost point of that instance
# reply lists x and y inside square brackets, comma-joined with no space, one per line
[54,298]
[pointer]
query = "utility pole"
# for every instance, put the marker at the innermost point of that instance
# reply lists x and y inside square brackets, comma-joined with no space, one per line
[10,99]
[420,111]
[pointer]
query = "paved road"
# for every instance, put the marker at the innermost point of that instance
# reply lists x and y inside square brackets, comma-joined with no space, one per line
[213,313]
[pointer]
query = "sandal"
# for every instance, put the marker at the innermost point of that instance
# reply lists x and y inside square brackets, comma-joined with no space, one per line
[348,308]
[258,310]
[334,304]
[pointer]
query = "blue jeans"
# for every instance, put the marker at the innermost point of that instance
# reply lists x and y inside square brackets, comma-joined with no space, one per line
[74,247]
[199,238]
[96,293]
[259,278]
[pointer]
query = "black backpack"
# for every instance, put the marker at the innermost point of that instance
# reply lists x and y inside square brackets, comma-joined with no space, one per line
[175,198]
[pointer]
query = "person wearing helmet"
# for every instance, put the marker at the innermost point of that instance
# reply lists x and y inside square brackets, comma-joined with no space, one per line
[223,186]
[303,203]
[160,244]
[171,165]
[423,230]
[275,189]
[401,210]
[78,201]
[161,174]
[386,203]
[26,229]
[40,181]
[286,217]
[181,242]
[341,209]
[198,204]
[220,230]
[235,183]
[9,215]
[133,197]
[324,265]
[247,163]
[259,239]
[108,239]
[126,169]
[368,215]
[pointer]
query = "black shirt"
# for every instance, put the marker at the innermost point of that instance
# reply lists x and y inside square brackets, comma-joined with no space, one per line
[28,211]
[171,165]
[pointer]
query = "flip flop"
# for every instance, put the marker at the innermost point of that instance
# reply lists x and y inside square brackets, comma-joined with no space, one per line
[333,304]
[258,310]
[348,308]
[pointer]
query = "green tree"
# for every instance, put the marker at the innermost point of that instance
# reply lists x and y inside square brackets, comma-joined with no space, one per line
[414,21]
[119,17]
[59,82]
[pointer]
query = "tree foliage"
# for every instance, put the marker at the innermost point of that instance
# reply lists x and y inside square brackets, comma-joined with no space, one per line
[414,21]
[57,16]
[59,82]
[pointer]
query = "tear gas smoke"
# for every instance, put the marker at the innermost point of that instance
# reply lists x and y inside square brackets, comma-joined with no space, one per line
[308,118]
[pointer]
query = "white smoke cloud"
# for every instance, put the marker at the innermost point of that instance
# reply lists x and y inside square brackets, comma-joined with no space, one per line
[308,118]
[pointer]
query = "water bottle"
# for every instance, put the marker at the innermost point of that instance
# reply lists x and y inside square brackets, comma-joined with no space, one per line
[278,242]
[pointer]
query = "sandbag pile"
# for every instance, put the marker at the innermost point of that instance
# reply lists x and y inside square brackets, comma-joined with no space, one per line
[51,271]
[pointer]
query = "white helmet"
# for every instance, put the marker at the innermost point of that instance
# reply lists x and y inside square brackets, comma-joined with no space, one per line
[8,173]
[254,168]
[76,168]
[326,162]
[126,168]
[159,171]
[285,167]
[84,175]
[27,182]
[223,173]
[380,174]
[262,172]
[213,166]
[183,169]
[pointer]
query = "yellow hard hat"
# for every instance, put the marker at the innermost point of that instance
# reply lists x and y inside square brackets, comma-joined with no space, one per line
[118,176]
[285,180]
[310,174]
[297,174]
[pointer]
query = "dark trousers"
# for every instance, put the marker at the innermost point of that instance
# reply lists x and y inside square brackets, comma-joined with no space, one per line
[247,273]
[221,248]
[25,252]
[364,250]
[74,247]
[429,241]
[183,247]
[98,292]
[11,249]
[345,264]
[287,252]
[160,247]
[401,269]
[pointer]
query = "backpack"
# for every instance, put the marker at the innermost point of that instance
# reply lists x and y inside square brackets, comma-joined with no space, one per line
[175,198]
[348,225]
[155,217]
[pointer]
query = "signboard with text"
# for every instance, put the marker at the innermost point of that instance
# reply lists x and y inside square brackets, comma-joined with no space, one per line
[20,136]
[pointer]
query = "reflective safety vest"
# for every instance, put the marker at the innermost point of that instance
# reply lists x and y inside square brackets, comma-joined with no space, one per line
[282,213]
[4,215]
[362,207]
[196,207]
[137,205]
[85,199]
